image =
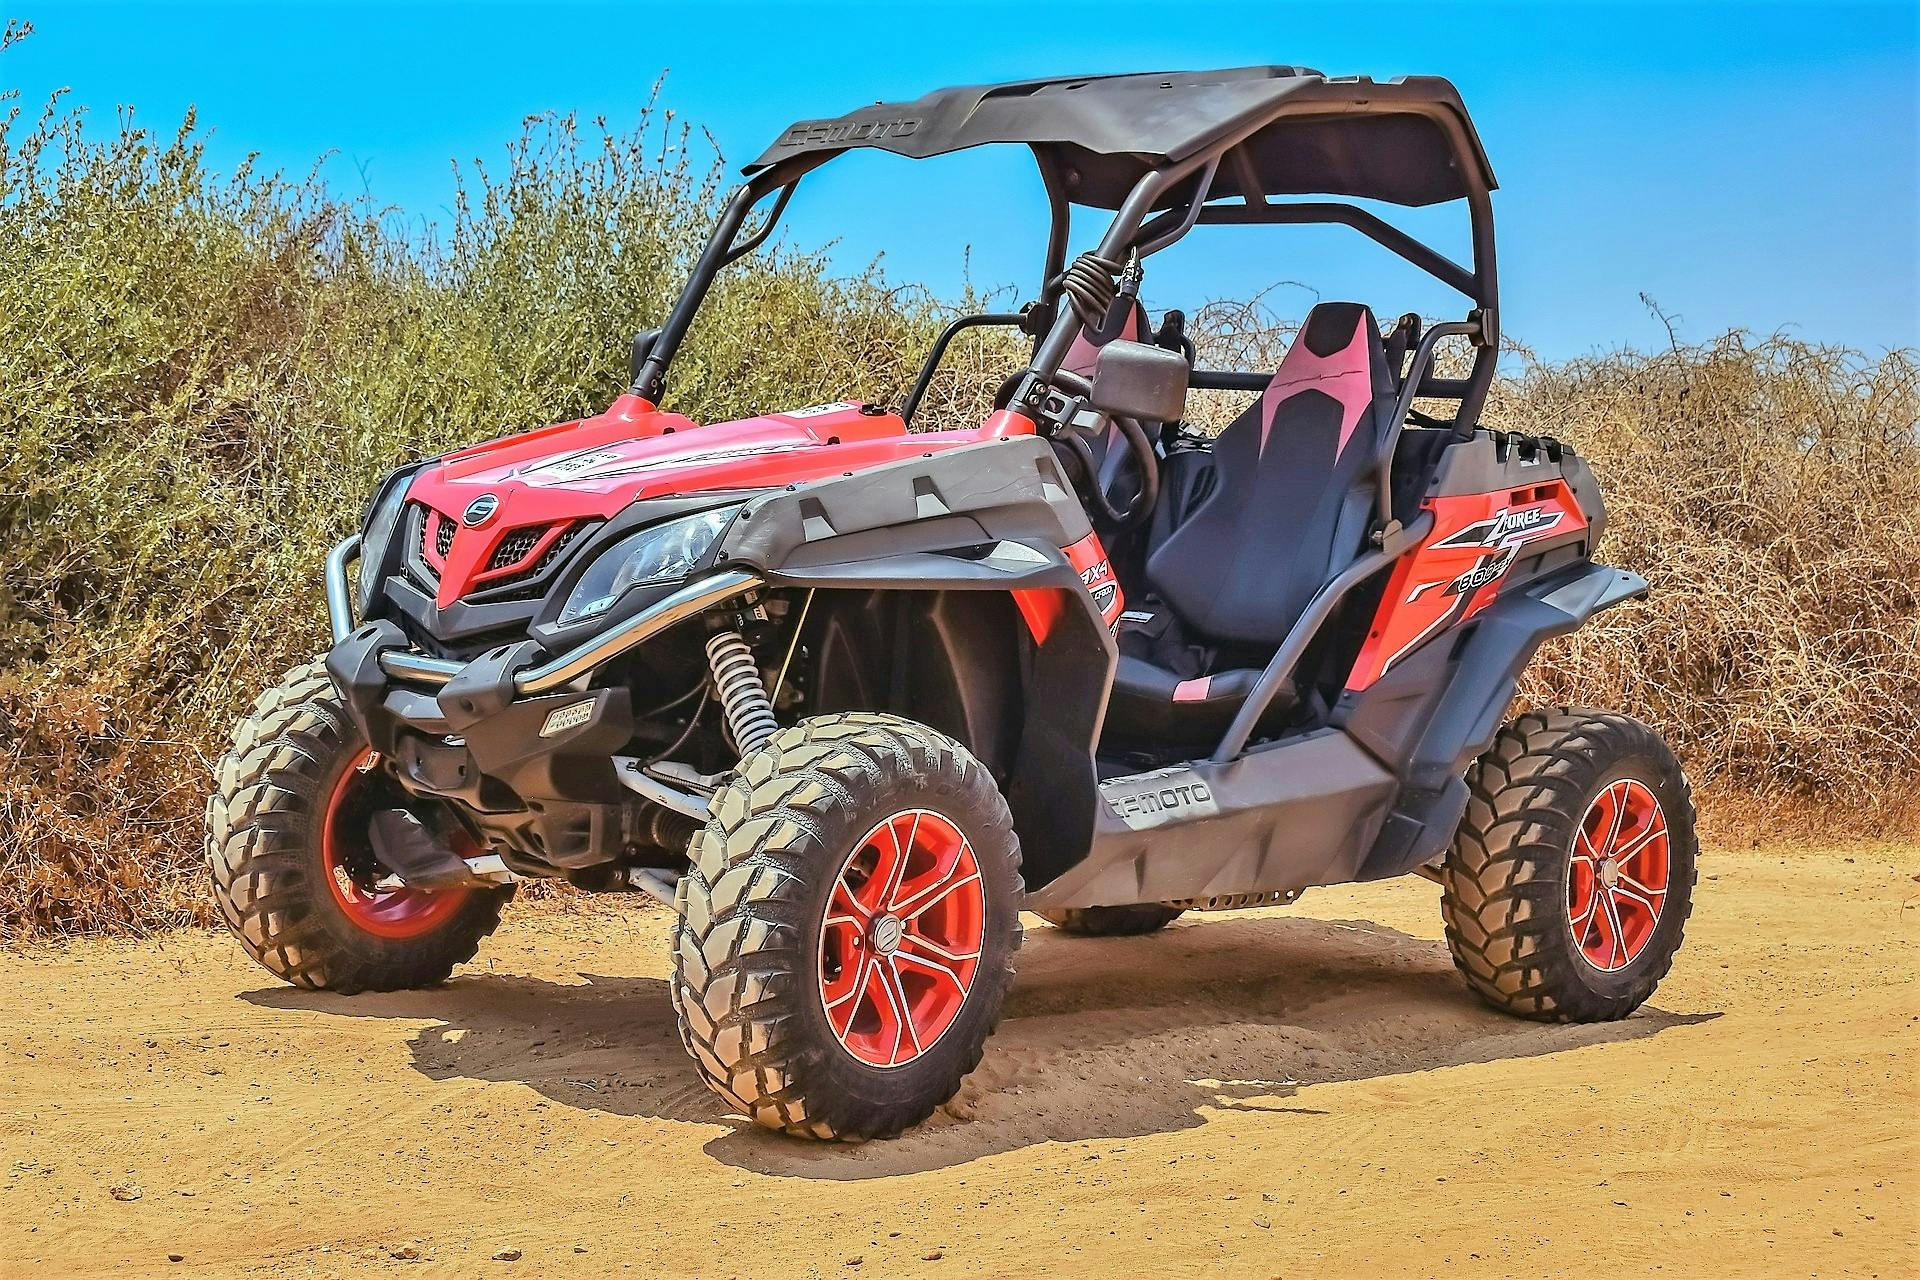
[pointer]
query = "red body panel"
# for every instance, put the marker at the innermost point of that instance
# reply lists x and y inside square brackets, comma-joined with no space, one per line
[1459,568]
[593,468]
[1042,607]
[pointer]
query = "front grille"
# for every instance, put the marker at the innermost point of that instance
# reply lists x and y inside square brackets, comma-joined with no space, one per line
[415,563]
[531,582]
[514,548]
[517,579]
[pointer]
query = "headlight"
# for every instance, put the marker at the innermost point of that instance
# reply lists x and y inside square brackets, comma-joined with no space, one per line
[376,535]
[658,554]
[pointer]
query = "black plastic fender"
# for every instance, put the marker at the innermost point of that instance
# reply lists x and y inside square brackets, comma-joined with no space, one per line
[993,516]
[845,529]
[1469,711]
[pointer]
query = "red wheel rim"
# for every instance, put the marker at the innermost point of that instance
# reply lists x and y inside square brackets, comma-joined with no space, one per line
[351,871]
[902,937]
[1617,876]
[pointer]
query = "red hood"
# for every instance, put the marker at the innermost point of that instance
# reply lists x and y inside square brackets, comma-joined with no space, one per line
[549,480]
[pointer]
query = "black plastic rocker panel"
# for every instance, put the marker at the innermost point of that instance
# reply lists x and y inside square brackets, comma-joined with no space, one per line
[1374,798]
[1298,813]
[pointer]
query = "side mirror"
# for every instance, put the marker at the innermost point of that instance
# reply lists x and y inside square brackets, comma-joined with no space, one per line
[642,347]
[1135,380]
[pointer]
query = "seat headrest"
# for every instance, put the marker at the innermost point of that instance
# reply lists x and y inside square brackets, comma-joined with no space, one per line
[1337,353]
[1126,319]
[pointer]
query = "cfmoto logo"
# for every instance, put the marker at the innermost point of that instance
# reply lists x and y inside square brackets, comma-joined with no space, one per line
[480,510]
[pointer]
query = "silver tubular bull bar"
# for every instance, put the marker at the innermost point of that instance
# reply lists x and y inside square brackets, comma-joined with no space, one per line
[418,668]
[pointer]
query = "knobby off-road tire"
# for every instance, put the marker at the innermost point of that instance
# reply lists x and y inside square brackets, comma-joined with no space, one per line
[292,776]
[1112,922]
[783,914]
[1528,919]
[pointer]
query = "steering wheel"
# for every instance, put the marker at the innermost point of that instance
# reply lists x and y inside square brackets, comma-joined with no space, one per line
[1076,440]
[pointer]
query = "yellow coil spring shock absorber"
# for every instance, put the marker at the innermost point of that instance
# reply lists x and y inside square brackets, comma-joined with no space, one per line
[744,704]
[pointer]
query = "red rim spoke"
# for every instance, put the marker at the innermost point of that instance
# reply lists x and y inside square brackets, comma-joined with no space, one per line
[1631,849]
[888,975]
[1645,901]
[1585,915]
[931,965]
[928,899]
[1617,871]
[883,871]
[916,942]
[843,906]
[842,1008]
[1616,943]
[1652,894]
[1617,811]
[901,938]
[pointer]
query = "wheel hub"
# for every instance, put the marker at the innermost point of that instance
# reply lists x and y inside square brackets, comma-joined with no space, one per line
[900,945]
[355,877]
[1617,874]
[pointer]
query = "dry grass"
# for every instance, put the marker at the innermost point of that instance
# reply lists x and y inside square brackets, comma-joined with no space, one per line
[1770,490]
[200,376]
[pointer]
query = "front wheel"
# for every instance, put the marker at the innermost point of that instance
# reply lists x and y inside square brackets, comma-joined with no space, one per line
[293,869]
[1568,886]
[847,928]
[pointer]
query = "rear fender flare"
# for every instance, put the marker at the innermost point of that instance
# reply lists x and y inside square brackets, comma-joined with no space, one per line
[1504,640]
[1467,716]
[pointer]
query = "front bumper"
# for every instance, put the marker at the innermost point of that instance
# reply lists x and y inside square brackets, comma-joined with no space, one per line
[405,664]
[514,732]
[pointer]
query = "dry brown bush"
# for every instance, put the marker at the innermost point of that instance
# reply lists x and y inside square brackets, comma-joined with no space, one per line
[1770,491]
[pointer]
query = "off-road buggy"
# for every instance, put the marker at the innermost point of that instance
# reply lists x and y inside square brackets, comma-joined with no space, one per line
[850,697]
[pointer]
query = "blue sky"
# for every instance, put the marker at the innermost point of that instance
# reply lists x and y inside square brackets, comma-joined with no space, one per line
[1753,165]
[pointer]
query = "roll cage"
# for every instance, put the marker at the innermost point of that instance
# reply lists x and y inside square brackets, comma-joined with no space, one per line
[1165,152]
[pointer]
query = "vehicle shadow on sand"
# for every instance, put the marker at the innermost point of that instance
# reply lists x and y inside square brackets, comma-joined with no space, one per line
[1102,1038]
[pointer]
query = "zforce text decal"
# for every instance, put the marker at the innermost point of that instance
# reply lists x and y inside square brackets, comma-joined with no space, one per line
[1502,535]
[1507,528]
[1474,549]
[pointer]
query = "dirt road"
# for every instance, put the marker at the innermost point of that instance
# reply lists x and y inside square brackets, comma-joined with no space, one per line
[1299,1092]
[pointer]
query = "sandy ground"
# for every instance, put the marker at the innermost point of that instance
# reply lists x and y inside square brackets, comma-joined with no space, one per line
[1298,1092]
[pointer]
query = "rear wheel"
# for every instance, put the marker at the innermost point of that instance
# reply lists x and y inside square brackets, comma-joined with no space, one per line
[294,874]
[1112,922]
[1567,890]
[847,927]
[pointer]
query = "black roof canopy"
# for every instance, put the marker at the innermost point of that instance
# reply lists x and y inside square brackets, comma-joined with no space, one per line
[1406,141]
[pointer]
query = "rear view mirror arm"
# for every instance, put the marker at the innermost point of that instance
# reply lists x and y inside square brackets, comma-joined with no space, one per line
[999,319]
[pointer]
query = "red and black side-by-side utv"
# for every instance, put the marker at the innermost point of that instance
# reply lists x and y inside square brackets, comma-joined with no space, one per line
[850,697]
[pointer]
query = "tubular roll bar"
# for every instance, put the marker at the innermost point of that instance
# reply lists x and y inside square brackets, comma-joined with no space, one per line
[1132,231]
[1431,261]
[1280,667]
[1403,404]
